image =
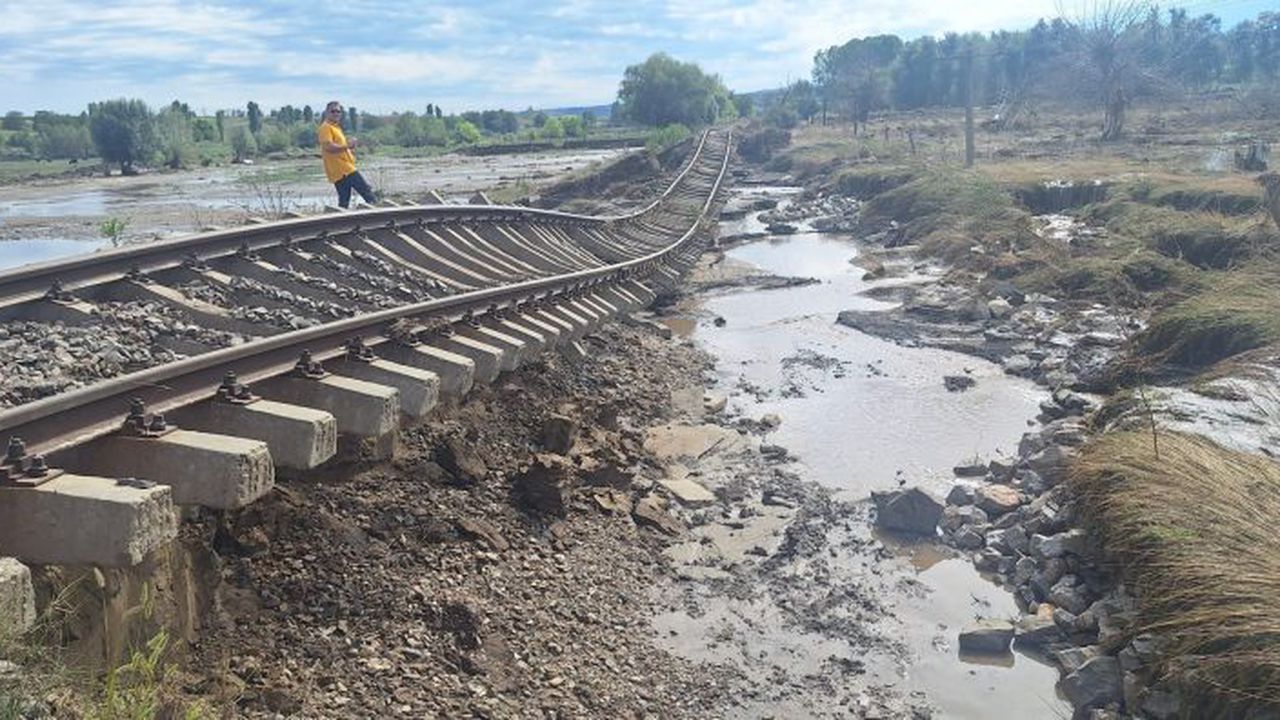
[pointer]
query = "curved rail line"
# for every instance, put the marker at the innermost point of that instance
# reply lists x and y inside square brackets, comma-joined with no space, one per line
[455,262]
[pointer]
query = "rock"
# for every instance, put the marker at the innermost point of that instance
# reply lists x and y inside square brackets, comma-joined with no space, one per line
[999,308]
[1095,684]
[770,421]
[987,636]
[912,510]
[559,433]
[612,500]
[607,474]
[483,531]
[974,468]
[958,383]
[1036,631]
[1071,542]
[781,228]
[1001,469]
[1051,461]
[462,461]
[1008,541]
[960,495]
[1071,659]
[1023,570]
[968,538]
[651,511]
[1069,595]
[773,452]
[988,560]
[955,517]
[1017,364]
[997,499]
[546,486]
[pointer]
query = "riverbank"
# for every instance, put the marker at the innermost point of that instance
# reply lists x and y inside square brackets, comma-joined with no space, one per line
[1140,284]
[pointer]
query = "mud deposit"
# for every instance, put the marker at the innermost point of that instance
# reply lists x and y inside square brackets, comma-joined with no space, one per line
[829,618]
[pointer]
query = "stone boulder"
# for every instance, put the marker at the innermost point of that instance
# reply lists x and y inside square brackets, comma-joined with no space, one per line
[559,433]
[462,461]
[997,500]
[546,486]
[987,636]
[912,510]
[1095,684]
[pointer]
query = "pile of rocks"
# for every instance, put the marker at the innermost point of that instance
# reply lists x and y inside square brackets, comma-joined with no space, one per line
[1019,523]
[829,213]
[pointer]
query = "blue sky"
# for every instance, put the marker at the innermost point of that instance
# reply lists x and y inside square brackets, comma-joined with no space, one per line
[382,56]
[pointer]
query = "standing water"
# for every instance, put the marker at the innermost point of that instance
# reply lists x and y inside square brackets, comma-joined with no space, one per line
[863,414]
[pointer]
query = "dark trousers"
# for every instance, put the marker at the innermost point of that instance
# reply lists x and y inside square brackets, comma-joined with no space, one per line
[354,181]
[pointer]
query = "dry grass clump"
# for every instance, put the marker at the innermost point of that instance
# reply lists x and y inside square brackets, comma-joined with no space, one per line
[1233,312]
[950,211]
[1194,528]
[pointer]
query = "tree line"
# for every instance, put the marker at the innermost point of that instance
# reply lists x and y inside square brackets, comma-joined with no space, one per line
[128,133]
[1119,52]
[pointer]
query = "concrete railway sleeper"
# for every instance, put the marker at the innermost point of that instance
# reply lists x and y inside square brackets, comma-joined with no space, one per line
[433,300]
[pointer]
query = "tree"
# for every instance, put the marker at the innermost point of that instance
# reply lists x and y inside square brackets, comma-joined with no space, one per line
[308,115]
[220,119]
[465,132]
[573,126]
[1106,59]
[243,144]
[431,110]
[13,120]
[65,141]
[123,131]
[552,129]
[663,90]
[174,135]
[854,78]
[353,119]
[202,130]
[254,113]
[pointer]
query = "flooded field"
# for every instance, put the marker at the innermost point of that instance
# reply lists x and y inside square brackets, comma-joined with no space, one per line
[45,219]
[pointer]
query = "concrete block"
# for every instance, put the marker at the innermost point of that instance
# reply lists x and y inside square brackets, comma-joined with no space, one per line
[456,372]
[85,520]
[362,408]
[216,471]
[564,328]
[300,438]
[513,348]
[17,598]
[534,342]
[419,389]
[549,334]
[487,358]
[578,324]
[586,310]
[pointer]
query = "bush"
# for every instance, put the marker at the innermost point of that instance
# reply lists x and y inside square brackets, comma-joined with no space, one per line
[66,142]
[274,140]
[759,146]
[666,137]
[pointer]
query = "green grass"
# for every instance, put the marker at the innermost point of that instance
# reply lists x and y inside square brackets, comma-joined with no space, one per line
[1193,528]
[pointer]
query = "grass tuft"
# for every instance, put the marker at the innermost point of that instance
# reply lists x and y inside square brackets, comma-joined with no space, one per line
[1234,312]
[1194,530]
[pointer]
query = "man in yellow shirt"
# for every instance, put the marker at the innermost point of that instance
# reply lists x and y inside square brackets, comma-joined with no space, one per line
[339,160]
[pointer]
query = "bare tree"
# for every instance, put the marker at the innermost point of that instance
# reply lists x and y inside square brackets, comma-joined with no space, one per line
[1104,56]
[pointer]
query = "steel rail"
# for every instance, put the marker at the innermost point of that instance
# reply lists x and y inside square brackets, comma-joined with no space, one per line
[75,417]
[31,282]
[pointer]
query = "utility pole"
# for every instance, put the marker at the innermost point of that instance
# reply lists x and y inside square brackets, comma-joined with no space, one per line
[968,108]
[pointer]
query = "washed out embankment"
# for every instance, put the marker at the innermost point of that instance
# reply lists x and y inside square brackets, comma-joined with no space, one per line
[1152,294]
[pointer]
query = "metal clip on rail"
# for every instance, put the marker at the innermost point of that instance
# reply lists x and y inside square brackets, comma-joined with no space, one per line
[234,392]
[140,424]
[18,469]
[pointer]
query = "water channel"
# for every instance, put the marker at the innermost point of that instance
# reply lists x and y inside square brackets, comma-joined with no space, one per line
[864,414]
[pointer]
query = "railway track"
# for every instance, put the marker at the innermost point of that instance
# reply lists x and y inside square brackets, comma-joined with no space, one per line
[271,341]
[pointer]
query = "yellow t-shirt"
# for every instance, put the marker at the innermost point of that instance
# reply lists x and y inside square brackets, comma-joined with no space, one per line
[336,165]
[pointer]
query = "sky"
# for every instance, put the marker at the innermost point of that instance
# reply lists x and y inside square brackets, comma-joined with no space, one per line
[392,56]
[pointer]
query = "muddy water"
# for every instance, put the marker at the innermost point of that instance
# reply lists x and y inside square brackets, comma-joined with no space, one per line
[863,414]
